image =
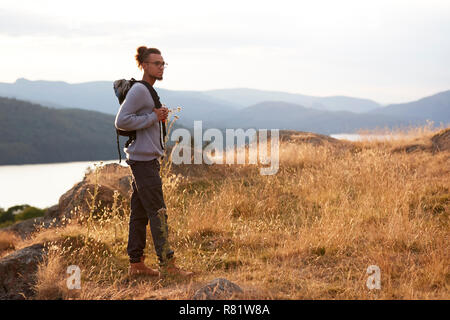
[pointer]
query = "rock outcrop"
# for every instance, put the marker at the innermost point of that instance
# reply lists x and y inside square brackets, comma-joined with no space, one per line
[110,177]
[217,289]
[441,140]
[81,195]
[309,137]
[25,228]
[18,272]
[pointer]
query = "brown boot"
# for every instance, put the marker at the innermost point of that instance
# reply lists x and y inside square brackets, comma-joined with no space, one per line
[171,269]
[139,268]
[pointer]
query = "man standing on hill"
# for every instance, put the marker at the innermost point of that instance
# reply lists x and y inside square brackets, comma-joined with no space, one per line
[138,112]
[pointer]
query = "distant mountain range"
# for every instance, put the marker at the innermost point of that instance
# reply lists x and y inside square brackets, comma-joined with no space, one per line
[243,108]
[61,122]
[288,116]
[99,96]
[435,107]
[249,97]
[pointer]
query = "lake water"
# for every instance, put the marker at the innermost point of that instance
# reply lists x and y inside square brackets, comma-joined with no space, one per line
[358,137]
[41,185]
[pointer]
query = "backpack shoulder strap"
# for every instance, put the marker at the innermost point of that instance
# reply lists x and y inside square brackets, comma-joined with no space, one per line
[158,105]
[153,93]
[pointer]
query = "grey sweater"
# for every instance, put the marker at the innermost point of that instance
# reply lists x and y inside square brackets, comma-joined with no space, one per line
[136,113]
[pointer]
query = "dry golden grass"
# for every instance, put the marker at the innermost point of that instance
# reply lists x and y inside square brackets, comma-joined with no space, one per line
[8,242]
[308,232]
[51,278]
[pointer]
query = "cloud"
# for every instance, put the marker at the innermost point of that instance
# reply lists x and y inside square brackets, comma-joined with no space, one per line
[312,46]
[17,24]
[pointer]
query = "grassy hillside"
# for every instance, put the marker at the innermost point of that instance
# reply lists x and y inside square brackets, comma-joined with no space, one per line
[308,232]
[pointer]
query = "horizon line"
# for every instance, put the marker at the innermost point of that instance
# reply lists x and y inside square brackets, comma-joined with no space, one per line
[238,88]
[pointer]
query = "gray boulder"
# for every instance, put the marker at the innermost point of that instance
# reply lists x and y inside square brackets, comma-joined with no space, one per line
[26,227]
[125,185]
[52,212]
[217,289]
[29,226]
[18,272]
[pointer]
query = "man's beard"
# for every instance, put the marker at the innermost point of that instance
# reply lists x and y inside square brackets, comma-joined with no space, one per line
[160,78]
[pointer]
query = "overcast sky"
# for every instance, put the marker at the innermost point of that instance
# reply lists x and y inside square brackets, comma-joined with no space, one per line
[385,50]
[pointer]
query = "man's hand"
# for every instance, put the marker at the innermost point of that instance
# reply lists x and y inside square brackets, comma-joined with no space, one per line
[162,113]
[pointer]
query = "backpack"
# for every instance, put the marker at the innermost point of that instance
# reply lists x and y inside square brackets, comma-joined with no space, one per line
[121,88]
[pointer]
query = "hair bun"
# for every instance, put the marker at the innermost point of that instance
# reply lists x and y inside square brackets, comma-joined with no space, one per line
[141,50]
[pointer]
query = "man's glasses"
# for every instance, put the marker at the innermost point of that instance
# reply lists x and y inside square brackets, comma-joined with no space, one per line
[159,64]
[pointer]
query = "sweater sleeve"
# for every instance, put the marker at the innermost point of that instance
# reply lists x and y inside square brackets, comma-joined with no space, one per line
[127,119]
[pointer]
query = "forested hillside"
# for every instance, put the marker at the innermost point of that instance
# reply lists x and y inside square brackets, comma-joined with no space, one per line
[31,133]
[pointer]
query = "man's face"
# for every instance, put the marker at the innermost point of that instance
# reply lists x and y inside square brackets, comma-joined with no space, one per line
[154,66]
